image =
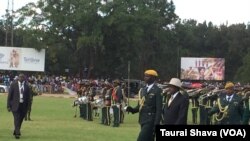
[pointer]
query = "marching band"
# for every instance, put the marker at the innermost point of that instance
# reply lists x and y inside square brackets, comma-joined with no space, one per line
[109,99]
[207,104]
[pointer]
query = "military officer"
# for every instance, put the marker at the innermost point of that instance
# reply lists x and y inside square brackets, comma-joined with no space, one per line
[229,107]
[149,106]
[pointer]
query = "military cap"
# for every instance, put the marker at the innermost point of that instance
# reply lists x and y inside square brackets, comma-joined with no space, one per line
[229,85]
[151,72]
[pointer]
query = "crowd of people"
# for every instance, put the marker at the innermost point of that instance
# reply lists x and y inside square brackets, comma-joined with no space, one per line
[168,104]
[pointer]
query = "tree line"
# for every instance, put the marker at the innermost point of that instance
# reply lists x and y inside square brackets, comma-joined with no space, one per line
[104,35]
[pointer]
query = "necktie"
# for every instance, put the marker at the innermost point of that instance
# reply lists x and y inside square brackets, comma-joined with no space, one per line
[228,98]
[170,100]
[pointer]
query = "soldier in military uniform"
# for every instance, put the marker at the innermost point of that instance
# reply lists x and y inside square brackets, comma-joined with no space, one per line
[229,107]
[91,92]
[102,96]
[195,105]
[246,114]
[81,92]
[107,102]
[116,102]
[33,92]
[149,106]
[124,101]
[206,101]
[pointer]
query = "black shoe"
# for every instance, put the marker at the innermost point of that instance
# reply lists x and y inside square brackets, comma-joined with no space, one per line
[106,124]
[17,136]
[115,125]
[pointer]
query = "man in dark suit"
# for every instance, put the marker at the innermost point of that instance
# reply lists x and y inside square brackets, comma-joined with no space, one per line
[17,102]
[175,110]
[149,106]
[229,107]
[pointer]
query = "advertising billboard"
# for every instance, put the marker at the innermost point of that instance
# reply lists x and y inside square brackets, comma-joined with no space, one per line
[194,68]
[21,59]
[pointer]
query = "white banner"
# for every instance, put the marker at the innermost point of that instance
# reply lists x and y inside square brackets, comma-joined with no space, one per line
[21,59]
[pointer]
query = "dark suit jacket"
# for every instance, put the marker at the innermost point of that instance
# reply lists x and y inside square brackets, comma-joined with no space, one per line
[152,108]
[177,112]
[14,96]
[235,110]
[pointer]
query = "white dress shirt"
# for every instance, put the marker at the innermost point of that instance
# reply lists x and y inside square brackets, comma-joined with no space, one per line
[229,98]
[149,87]
[21,86]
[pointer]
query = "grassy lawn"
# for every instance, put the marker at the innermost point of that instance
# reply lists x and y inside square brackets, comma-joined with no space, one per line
[53,120]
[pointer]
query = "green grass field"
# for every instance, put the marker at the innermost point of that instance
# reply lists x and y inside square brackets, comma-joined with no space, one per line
[53,120]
